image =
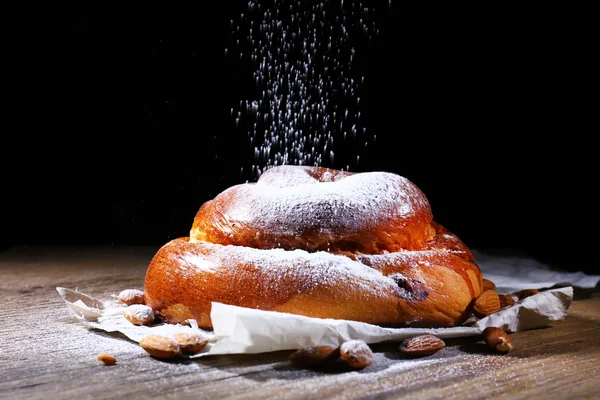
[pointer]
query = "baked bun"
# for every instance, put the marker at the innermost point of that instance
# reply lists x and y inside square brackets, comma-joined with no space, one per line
[292,207]
[321,243]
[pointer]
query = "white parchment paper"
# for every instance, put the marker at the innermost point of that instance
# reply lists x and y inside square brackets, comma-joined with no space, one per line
[244,330]
[512,273]
[240,330]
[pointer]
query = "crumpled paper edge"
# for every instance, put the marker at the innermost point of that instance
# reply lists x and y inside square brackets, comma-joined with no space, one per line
[531,273]
[239,330]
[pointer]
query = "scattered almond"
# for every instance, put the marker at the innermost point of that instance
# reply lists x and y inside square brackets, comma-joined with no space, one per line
[526,293]
[132,296]
[486,304]
[139,314]
[356,353]
[488,285]
[506,300]
[160,346]
[191,342]
[421,345]
[107,359]
[497,339]
[314,356]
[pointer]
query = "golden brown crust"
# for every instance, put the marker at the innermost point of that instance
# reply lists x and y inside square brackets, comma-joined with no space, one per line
[427,288]
[424,276]
[312,208]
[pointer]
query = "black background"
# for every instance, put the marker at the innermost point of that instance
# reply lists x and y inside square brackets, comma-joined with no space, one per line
[118,124]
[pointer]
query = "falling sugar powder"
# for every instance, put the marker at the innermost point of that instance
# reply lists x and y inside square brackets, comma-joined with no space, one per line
[307,91]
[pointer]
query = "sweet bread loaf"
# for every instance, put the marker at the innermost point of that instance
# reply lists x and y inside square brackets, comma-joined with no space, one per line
[321,243]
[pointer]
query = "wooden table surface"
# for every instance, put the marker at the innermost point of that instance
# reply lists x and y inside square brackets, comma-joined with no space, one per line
[46,353]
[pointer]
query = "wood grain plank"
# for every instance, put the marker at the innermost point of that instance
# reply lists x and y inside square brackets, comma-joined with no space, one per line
[46,353]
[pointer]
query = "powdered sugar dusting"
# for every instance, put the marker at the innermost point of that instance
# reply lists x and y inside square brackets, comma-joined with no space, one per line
[140,312]
[309,270]
[298,202]
[194,261]
[429,258]
[357,346]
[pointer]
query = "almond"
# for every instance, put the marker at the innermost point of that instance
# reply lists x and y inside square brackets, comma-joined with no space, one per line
[526,293]
[314,356]
[132,296]
[421,345]
[160,346]
[356,353]
[107,359]
[139,314]
[506,300]
[488,285]
[486,304]
[497,339]
[191,342]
